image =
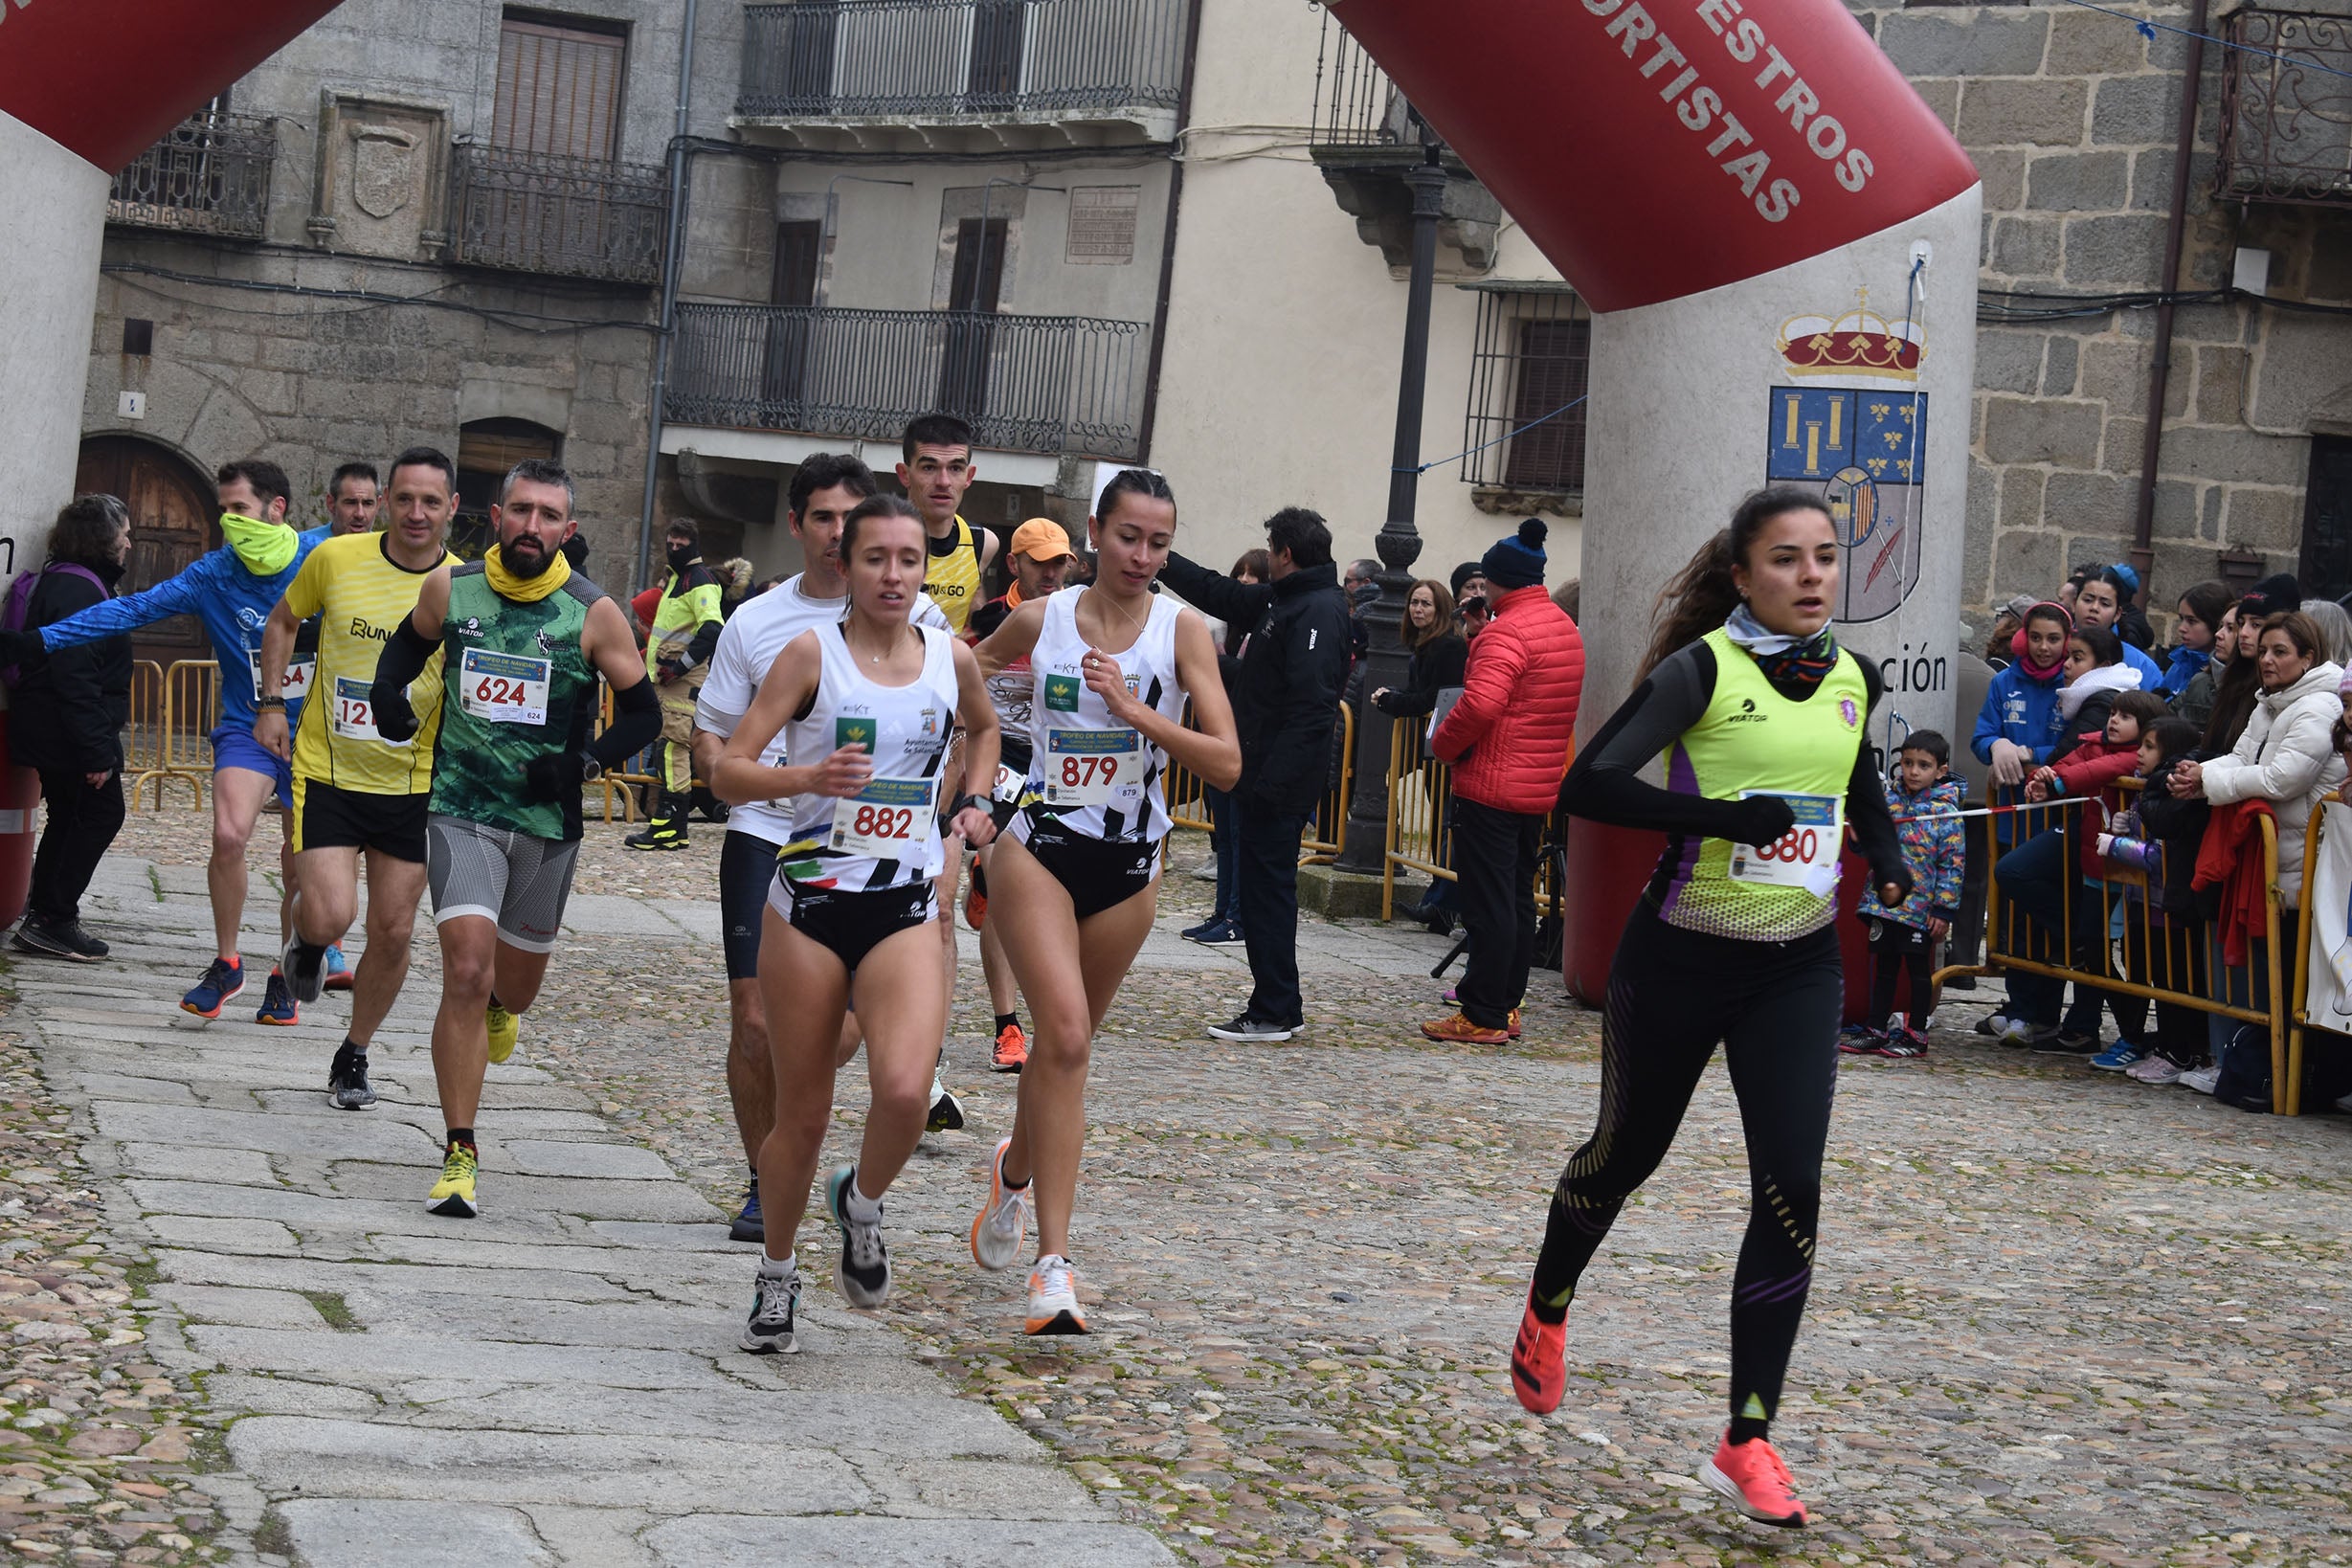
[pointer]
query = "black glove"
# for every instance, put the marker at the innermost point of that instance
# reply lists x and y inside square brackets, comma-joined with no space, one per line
[666,670]
[549,776]
[24,648]
[395,719]
[1761,820]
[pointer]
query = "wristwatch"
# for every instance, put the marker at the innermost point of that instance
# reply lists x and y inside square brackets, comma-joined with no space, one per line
[260,703]
[975,802]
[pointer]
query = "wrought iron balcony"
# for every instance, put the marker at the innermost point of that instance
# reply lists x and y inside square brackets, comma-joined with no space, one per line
[828,73]
[1050,383]
[564,218]
[1365,138]
[208,175]
[2286,131]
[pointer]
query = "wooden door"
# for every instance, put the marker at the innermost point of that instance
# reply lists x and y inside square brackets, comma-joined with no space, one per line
[173,520]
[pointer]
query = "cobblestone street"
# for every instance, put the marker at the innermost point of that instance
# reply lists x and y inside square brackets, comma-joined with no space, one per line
[2059,1317]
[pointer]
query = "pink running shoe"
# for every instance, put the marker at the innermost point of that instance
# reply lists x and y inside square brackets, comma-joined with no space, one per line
[1755,1480]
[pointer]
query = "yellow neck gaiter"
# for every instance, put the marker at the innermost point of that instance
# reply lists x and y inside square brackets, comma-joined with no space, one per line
[525,589]
[263,548]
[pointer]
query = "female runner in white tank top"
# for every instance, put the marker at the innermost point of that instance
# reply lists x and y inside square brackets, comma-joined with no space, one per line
[874,701]
[1075,883]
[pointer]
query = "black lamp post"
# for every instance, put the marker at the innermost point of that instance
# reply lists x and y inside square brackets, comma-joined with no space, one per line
[1399,542]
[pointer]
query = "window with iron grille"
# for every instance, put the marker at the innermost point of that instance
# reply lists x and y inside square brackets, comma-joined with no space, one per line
[1529,362]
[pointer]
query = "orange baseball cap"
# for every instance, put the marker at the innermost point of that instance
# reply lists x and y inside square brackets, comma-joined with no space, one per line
[1041,539]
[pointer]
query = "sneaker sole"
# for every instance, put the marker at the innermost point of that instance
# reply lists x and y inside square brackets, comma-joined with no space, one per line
[1006,1067]
[337,983]
[42,949]
[453,1207]
[762,1344]
[1217,1032]
[277,1020]
[947,1116]
[1064,1321]
[227,998]
[341,1103]
[1724,1486]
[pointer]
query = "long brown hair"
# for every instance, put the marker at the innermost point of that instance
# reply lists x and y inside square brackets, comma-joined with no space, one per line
[1702,595]
[1440,624]
[2234,696]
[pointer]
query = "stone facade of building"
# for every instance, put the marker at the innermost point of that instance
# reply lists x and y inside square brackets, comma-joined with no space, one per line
[2072,116]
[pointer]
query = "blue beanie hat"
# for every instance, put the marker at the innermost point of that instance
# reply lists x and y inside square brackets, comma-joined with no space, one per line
[1516,562]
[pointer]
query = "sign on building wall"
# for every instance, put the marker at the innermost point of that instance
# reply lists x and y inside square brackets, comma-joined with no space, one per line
[1102,225]
[1856,428]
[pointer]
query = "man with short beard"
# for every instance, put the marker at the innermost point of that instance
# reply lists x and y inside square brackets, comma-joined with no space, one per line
[522,638]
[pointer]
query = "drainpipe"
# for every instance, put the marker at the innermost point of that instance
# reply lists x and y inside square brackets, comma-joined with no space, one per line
[1167,240]
[2160,370]
[672,255]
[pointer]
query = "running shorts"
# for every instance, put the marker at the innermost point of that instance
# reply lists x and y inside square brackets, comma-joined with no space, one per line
[1097,873]
[746,869]
[234,746]
[326,817]
[519,881]
[853,924]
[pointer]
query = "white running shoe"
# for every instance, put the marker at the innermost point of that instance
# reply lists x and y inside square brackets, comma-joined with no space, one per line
[2015,1032]
[1053,1298]
[2201,1079]
[775,1298]
[999,1230]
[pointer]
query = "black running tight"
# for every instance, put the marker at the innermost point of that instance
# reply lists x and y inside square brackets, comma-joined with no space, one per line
[1774,1006]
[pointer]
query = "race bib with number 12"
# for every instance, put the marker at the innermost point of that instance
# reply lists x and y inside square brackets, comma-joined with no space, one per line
[355,713]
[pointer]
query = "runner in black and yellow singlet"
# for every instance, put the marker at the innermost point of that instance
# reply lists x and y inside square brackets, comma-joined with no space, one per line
[1762,716]
[522,638]
[357,793]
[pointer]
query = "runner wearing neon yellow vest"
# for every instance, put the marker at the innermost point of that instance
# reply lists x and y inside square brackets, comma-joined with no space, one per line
[1761,719]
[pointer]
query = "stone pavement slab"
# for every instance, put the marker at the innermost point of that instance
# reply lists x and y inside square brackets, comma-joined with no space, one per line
[553,1382]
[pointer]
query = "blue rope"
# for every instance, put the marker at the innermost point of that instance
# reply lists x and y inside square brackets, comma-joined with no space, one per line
[1440,462]
[2149,30]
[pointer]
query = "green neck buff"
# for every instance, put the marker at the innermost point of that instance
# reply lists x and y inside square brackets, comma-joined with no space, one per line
[262,548]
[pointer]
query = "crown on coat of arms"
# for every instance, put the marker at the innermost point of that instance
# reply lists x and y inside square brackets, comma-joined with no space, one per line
[1861,342]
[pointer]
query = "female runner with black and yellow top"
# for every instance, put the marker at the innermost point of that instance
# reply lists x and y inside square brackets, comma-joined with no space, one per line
[1760,715]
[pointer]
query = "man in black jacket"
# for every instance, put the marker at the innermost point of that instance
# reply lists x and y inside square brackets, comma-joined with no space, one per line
[65,722]
[1285,701]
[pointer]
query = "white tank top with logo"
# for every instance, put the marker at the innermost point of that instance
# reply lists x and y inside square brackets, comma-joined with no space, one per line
[888,835]
[1096,774]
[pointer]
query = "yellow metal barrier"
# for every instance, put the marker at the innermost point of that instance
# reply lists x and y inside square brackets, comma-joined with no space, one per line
[1419,834]
[1326,833]
[2156,966]
[2287,1092]
[173,713]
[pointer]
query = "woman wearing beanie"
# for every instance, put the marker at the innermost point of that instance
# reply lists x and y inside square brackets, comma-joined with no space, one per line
[1508,738]
[1760,715]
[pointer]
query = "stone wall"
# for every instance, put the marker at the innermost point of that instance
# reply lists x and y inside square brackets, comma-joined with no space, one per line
[2070,115]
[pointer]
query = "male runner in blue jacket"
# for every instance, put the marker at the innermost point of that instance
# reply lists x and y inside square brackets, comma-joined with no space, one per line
[231,590]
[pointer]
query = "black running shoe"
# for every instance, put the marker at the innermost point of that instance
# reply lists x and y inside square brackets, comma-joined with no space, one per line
[303,966]
[865,1274]
[769,1332]
[58,939]
[347,1081]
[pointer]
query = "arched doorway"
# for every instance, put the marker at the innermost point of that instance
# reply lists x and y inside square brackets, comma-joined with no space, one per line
[173,521]
[486,448]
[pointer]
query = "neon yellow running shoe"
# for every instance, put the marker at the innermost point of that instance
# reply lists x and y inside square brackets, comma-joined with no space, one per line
[504,1029]
[453,1196]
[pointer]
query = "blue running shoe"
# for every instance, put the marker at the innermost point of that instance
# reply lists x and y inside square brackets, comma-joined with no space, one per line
[2118,1057]
[223,978]
[749,1225]
[338,969]
[277,1004]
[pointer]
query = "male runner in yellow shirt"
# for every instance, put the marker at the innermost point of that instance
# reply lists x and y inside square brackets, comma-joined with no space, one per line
[355,792]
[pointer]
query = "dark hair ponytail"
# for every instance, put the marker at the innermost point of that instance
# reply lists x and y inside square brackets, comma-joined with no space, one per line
[1702,595]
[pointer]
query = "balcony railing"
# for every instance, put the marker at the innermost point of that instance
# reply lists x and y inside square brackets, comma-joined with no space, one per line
[982,61]
[2286,131]
[1356,103]
[208,175]
[566,218]
[1051,384]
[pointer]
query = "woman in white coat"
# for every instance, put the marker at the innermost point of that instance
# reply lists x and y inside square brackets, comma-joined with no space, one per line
[2285,756]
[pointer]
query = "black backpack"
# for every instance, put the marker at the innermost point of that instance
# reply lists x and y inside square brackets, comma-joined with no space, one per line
[2245,1079]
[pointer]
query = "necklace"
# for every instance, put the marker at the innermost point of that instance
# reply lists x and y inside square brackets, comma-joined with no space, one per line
[1105,598]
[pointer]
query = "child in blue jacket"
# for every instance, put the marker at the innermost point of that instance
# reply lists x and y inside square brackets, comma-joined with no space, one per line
[2019,723]
[1925,803]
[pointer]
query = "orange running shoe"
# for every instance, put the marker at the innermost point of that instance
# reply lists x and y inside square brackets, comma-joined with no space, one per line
[1513,1028]
[1459,1030]
[1053,1298]
[975,898]
[1011,1052]
[1755,1480]
[1538,1360]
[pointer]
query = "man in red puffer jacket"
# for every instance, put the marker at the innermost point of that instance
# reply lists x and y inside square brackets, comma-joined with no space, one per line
[1508,739]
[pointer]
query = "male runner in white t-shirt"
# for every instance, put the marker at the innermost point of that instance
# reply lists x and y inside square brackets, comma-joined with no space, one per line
[824,490]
